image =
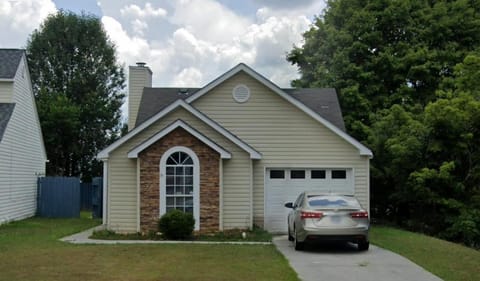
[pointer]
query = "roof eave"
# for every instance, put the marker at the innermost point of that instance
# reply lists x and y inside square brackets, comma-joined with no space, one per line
[104,154]
[363,150]
[224,154]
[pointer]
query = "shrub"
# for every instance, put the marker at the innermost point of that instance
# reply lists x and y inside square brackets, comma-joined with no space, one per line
[176,225]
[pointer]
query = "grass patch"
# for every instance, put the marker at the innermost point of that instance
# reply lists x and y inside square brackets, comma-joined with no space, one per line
[449,261]
[30,250]
[234,235]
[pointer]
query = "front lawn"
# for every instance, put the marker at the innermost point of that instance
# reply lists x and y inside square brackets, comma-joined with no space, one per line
[449,261]
[30,250]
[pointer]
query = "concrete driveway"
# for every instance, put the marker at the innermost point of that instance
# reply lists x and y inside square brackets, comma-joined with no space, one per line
[343,262]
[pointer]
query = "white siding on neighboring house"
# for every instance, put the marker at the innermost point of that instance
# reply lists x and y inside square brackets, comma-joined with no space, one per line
[122,177]
[284,135]
[22,155]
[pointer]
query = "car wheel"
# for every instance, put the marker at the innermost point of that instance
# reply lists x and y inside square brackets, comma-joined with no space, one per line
[363,246]
[298,245]
[290,237]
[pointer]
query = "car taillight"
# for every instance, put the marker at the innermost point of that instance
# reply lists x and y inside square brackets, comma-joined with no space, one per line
[359,215]
[311,215]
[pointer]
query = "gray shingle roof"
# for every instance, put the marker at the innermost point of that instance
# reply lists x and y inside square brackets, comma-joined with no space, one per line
[322,101]
[6,110]
[9,60]
[155,99]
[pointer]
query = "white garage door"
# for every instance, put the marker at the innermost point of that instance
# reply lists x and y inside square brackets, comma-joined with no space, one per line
[284,185]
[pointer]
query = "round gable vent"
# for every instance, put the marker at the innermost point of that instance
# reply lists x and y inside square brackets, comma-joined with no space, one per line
[241,93]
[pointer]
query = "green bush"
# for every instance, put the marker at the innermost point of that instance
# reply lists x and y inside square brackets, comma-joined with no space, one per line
[176,225]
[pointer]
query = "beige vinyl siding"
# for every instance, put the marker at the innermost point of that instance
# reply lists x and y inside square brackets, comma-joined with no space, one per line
[284,135]
[122,174]
[22,156]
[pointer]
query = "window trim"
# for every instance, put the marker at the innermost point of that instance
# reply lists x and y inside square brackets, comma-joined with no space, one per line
[196,181]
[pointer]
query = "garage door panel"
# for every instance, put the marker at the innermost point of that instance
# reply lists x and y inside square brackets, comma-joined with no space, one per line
[280,190]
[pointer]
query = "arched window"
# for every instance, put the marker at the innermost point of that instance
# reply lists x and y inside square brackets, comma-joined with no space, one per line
[179,182]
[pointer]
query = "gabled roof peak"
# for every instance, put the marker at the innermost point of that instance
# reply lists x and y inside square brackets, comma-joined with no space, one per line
[9,61]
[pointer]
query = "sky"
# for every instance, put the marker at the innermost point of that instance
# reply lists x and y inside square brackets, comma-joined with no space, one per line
[186,43]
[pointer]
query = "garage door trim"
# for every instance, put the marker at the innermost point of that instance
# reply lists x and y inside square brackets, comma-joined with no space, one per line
[290,167]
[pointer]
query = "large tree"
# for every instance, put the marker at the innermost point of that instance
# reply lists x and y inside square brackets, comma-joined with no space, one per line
[408,74]
[377,53]
[78,86]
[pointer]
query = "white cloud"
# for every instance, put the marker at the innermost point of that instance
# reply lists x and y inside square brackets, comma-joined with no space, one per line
[128,47]
[137,12]
[139,26]
[188,77]
[208,20]
[286,4]
[193,48]
[18,19]
[140,16]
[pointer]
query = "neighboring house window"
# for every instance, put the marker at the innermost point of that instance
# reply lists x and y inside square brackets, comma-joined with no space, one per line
[179,183]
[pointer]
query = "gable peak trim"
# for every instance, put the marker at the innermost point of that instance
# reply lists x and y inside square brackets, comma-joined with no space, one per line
[104,154]
[224,154]
[363,150]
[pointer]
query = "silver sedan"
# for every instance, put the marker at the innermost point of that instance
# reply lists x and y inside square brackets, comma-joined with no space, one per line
[327,217]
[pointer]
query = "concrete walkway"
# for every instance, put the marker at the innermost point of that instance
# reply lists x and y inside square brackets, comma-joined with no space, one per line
[83,238]
[344,262]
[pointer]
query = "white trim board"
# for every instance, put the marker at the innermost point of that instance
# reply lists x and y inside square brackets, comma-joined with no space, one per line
[104,154]
[179,124]
[243,67]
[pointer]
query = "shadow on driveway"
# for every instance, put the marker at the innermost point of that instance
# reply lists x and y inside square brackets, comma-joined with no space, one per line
[342,261]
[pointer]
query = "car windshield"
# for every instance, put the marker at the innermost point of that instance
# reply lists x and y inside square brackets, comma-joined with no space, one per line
[327,202]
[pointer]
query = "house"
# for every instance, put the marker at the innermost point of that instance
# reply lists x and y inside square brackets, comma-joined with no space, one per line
[22,153]
[231,153]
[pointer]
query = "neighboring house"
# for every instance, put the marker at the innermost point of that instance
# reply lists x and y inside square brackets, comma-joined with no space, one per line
[231,153]
[22,153]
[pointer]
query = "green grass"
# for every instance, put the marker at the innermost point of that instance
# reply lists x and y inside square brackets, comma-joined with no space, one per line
[449,261]
[30,250]
[255,235]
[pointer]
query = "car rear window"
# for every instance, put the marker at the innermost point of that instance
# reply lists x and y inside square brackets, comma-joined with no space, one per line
[332,202]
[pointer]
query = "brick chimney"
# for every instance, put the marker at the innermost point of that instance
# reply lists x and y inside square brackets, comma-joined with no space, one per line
[139,76]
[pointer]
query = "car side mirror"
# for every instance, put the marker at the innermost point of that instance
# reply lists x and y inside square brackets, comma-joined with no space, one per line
[289,205]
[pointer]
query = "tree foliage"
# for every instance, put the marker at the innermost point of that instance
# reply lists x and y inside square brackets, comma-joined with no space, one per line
[408,77]
[78,88]
[377,53]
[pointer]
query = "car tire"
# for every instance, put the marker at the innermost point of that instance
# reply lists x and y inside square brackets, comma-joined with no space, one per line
[363,246]
[299,246]
[290,237]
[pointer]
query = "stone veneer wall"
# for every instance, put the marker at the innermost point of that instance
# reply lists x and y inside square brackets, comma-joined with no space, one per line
[150,180]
